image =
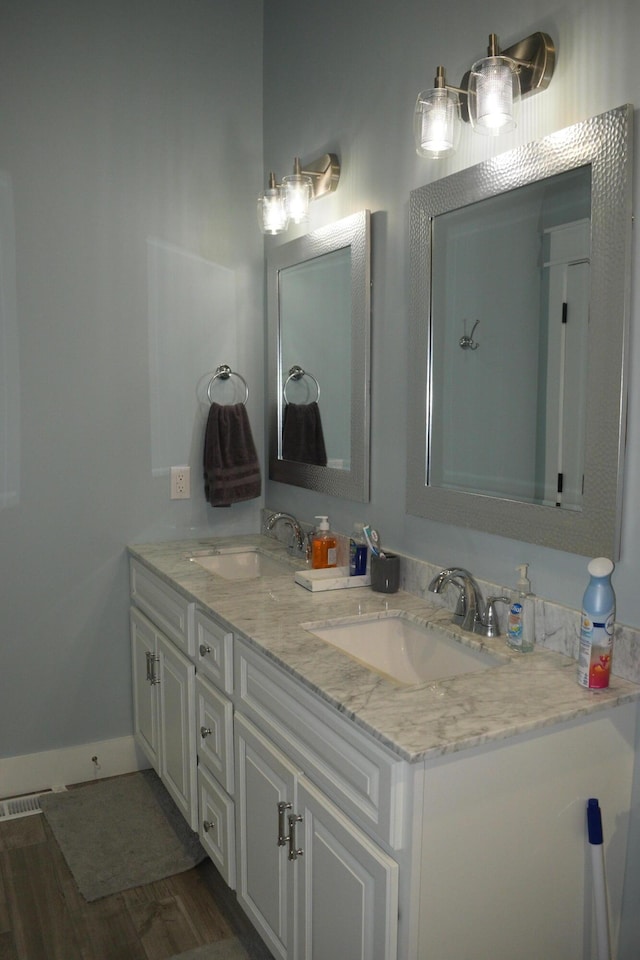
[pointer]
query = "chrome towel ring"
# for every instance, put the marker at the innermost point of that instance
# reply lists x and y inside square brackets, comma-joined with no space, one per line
[297,373]
[223,372]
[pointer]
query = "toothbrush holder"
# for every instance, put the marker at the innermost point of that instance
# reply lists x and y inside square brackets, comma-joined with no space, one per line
[385,573]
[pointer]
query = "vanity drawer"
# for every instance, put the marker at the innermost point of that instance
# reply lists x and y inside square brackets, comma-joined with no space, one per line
[366,781]
[214,651]
[214,714]
[169,610]
[216,826]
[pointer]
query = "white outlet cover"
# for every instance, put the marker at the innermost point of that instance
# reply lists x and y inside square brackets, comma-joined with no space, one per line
[181,483]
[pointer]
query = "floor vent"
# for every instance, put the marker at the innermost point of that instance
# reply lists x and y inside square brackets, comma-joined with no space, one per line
[14,807]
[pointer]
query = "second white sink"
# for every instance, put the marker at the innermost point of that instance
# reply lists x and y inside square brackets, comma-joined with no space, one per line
[244,564]
[406,651]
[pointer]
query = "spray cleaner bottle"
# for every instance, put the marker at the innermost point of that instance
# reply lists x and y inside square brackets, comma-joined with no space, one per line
[596,631]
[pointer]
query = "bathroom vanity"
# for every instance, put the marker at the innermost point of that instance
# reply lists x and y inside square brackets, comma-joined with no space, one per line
[357,816]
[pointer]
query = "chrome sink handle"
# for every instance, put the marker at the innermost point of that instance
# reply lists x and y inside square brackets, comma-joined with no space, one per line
[490,626]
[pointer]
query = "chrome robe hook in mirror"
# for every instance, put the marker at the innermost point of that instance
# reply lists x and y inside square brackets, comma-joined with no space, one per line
[467,342]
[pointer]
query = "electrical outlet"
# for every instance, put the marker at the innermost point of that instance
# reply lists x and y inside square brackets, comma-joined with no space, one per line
[180,483]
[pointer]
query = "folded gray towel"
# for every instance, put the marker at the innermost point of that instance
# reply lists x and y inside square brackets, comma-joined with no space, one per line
[302,435]
[231,467]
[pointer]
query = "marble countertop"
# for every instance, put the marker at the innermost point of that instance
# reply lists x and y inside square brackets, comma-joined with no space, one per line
[525,692]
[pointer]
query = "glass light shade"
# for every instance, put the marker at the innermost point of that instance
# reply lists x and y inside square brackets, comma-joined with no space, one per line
[494,93]
[297,190]
[436,123]
[272,211]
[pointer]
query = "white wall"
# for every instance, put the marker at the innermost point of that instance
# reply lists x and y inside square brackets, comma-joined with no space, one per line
[130,139]
[347,81]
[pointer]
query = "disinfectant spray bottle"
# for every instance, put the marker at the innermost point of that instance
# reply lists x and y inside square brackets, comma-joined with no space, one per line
[596,631]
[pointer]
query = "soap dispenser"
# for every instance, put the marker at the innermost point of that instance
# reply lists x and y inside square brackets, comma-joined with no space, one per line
[324,546]
[521,632]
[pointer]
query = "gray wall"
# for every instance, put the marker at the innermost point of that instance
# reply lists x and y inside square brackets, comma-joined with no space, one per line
[347,81]
[130,156]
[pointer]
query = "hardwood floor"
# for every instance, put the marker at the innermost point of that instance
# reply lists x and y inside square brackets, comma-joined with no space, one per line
[44,917]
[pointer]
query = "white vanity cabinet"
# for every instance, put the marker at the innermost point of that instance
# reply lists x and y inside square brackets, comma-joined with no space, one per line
[164,697]
[478,852]
[314,883]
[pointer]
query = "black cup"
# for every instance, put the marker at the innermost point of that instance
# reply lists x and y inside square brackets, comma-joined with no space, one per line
[385,573]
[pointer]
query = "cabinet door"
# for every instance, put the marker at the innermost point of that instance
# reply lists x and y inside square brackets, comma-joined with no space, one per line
[145,705]
[177,728]
[265,876]
[347,893]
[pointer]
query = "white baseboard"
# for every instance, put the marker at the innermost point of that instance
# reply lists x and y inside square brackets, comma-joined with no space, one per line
[40,771]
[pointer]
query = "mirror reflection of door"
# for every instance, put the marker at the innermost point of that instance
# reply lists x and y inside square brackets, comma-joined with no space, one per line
[315,334]
[507,411]
[565,328]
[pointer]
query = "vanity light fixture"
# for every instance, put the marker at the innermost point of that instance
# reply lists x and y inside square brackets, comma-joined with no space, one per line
[436,120]
[272,212]
[289,201]
[487,97]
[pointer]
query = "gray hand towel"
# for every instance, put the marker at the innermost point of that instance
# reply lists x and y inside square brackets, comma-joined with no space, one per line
[231,467]
[302,434]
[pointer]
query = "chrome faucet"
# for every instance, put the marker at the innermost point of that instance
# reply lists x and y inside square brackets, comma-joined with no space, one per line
[469,612]
[298,534]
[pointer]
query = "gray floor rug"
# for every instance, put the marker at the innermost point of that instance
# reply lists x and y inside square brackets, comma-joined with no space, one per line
[222,950]
[121,833]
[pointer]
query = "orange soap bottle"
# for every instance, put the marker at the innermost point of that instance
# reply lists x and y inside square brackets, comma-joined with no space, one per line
[324,546]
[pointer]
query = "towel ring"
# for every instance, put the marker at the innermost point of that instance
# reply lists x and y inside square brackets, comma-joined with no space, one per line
[223,372]
[297,373]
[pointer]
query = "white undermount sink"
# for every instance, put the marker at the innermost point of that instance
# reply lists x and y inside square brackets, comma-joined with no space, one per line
[407,652]
[240,564]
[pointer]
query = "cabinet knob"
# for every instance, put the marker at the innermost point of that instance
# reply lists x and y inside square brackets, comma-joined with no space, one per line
[208,825]
[205,732]
[204,649]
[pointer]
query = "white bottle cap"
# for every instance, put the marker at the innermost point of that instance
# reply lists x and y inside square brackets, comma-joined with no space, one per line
[600,567]
[324,523]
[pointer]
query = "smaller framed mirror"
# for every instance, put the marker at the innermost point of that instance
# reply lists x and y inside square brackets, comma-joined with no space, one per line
[318,309]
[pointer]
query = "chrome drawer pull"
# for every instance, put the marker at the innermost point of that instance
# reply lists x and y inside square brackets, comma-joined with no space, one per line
[282,839]
[152,662]
[293,852]
[205,732]
[204,649]
[208,825]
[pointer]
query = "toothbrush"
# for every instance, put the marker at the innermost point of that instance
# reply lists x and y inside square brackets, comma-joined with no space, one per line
[373,539]
[375,536]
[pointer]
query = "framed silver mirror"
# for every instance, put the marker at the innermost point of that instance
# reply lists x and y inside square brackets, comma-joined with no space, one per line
[318,308]
[519,298]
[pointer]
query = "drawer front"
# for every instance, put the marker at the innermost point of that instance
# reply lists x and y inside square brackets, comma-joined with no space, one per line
[216,826]
[215,732]
[214,652]
[169,610]
[363,779]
